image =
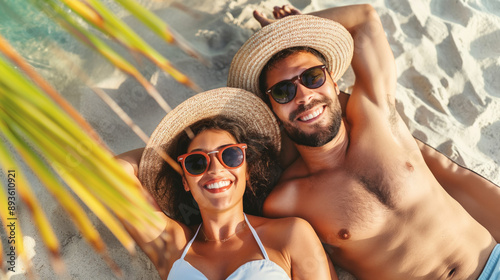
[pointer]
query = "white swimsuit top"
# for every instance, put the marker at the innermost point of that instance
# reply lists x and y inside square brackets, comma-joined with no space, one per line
[255,270]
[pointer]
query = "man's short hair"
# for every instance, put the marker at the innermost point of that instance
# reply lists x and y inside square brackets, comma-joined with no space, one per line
[279,57]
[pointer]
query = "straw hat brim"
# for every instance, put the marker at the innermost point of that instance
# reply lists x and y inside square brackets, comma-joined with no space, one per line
[325,36]
[236,104]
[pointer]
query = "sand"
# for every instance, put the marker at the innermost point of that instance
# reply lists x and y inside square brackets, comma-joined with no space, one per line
[448,93]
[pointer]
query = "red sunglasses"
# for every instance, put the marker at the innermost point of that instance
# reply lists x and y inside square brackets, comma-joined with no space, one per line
[197,163]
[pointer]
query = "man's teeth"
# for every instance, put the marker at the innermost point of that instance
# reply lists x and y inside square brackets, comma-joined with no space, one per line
[218,185]
[312,115]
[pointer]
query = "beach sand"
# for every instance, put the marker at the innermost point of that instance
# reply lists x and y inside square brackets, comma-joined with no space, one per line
[448,93]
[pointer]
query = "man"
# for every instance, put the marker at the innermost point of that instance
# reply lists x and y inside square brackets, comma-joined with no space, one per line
[379,200]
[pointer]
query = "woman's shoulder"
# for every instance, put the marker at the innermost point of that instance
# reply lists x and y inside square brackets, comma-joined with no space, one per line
[281,229]
[277,222]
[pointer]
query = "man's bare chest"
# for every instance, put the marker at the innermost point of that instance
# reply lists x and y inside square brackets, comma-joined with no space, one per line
[355,204]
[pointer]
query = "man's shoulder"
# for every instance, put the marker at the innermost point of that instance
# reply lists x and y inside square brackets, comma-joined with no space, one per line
[277,204]
[291,179]
[294,172]
[284,187]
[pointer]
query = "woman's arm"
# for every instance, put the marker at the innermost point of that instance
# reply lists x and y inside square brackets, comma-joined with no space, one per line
[162,244]
[308,258]
[130,160]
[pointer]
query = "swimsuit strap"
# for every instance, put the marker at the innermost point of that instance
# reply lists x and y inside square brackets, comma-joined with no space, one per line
[254,233]
[190,242]
[256,238]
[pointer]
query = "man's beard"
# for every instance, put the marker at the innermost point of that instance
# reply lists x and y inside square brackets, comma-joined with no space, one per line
[322,135]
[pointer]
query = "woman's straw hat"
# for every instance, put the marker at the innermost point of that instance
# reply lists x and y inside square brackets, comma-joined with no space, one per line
[326,36]
[236,104]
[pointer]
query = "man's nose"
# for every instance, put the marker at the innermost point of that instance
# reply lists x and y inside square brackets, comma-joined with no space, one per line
[303,94]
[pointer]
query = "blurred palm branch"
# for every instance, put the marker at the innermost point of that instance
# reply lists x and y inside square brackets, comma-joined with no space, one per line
[41,129]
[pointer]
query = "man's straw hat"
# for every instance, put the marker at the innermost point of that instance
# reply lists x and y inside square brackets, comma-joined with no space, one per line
[236,104]
[326,36]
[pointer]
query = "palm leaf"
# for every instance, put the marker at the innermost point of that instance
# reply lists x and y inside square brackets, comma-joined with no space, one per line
[96,14]
[61,148]
[160,27]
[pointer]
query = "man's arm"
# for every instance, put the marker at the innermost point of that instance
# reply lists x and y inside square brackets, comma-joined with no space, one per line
[373,62]
[478,196]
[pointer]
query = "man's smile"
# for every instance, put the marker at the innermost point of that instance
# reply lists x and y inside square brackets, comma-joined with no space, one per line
[311,115]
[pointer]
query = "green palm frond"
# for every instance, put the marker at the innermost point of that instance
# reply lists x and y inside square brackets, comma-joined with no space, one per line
[60,147]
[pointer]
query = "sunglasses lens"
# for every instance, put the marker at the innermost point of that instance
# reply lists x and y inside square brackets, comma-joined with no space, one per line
[195,164]
[232,156]
[314,77]
[283,92]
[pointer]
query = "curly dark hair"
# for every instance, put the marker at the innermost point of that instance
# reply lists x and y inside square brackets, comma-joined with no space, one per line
[263,170]
[279,57]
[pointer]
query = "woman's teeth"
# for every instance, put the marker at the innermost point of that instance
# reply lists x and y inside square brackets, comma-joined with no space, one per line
[218,185]
[312,115]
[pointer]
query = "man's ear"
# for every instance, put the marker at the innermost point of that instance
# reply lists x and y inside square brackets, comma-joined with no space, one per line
[337,90]
[185,184]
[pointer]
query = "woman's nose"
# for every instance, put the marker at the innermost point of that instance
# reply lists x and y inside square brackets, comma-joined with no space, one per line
[215,165]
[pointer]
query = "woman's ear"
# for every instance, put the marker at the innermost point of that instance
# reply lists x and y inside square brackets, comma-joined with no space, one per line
[185,184]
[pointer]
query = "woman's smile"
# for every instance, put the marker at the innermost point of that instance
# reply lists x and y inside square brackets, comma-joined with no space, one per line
[218,186]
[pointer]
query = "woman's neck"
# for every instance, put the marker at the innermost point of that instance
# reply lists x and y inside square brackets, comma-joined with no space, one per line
[222,226]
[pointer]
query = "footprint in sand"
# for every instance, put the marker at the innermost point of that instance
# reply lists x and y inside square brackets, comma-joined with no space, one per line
[489,143]
[412,28]
[449,56]
[492,6]
[452,10]
[450,150]
[466,107]
[423,88]
[430,119]
[486,46]
[401,7]
[436,30]
[491,81]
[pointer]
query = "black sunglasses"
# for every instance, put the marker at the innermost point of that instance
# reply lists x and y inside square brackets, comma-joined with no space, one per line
[197,163]
[284,91]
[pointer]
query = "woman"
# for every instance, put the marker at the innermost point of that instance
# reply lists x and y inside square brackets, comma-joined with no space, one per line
[227,169]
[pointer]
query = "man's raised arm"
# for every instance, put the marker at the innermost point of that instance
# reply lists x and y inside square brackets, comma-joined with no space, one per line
[373,62]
